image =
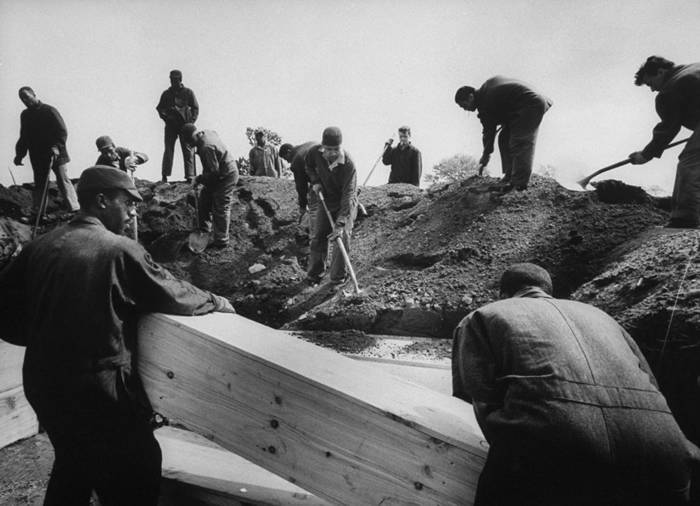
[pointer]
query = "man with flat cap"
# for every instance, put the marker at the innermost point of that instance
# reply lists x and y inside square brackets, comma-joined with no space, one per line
[405,159]
[218,179]
[177,106]
[518,108]
[119,157]
[570,408]
[330,171]
[73,297]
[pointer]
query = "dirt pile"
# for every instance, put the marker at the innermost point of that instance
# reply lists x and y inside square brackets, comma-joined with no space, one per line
[652,287]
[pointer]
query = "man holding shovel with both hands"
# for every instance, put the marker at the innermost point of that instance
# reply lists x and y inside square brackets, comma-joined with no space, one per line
[678,104]
[218,178]
[333,178]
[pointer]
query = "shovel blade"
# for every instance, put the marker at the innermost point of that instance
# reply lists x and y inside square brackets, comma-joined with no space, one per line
[198,241]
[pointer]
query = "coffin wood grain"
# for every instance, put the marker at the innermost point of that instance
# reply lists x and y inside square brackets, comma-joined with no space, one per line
[11,358]
[216,473]
[334,426]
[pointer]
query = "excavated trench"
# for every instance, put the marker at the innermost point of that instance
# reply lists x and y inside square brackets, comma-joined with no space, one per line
[425,258]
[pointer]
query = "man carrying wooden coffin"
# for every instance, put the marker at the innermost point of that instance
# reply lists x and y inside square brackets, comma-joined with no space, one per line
[73,297]
[567,402]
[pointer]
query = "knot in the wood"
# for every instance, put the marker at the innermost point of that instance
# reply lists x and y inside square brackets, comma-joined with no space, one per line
[170,374]
[274,424]
[418,485]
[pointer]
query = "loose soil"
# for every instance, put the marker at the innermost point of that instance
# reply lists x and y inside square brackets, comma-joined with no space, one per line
[424,259]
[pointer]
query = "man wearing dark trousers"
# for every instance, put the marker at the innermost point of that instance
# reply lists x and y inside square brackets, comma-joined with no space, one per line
[43,134]
[678,104]
[570,408]
[330,170]
[176,107]
[518,109]
[296,157]
[218,179]
[73,298]
[405,159]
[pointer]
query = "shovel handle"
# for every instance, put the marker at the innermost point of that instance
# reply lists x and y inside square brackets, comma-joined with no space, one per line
[584,182]
[340,244]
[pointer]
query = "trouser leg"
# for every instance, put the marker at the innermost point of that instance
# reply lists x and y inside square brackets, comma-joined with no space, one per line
[504,150]
[205,202]
[318,244]
[338,268]
[685,201]
[170,135]
[40,168]
[69,483]
[523,137]
[188,157]
[65,187]
[221,210]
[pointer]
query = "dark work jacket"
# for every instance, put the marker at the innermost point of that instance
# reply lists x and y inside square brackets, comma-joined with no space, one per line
[217,162]
[406,164]
[120,161]
[499,100]
[178,106]
[41,128]
[531,362]
[678,104]
[72,297]
[298,168]
[339,184]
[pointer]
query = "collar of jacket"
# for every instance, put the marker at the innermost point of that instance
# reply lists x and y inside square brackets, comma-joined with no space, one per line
[671,74]
[339,161]
[82,218]
[532,292]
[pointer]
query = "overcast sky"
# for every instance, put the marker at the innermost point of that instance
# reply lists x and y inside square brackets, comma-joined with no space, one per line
[365,66]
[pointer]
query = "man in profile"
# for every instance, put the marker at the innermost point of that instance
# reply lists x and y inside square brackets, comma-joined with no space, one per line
[677,104]
[570,408]
[518,108]
[73,297]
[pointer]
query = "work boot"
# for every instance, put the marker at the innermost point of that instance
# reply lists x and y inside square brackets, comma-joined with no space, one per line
[338,282]
[218,245]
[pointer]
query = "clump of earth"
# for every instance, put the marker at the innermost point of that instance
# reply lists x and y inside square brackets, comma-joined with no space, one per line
[425,258]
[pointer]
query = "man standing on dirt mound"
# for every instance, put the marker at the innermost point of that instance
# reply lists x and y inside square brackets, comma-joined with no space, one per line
[296,157]
[567,402]
[218,179]
[43,134]
[519,109]
[333,177]
[177,106]
[677,104]
[73,298]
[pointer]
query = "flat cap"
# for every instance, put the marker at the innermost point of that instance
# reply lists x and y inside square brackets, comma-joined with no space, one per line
[104,141]
[332,136]
[102,177]
[519,276]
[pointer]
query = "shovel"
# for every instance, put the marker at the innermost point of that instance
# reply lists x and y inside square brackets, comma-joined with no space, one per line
[198,239]
[584,182]
[339,244]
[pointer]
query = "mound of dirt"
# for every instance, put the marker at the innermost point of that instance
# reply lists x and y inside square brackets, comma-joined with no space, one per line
[652,287]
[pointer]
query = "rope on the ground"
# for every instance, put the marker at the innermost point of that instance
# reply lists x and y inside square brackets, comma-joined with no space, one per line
[691,257]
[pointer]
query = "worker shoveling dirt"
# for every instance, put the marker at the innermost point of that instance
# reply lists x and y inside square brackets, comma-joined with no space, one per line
[198,240]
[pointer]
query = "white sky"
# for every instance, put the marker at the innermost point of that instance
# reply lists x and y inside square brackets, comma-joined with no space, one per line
[297,66]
